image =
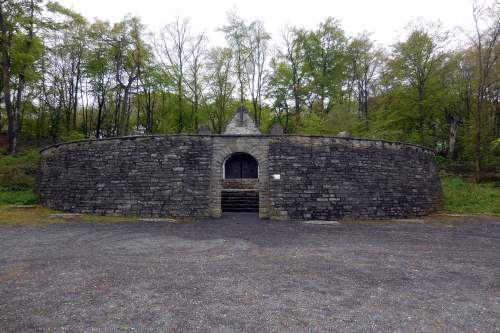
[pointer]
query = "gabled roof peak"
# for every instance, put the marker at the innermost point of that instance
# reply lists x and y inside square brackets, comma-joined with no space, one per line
[241,123]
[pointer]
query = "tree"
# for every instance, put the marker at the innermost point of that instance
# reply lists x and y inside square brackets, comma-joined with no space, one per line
[416,60]
[366,60]
[456,84]
[288,69]
[485,43]
[220,86]
[236,32]
[129,55]
[173,52]
[256,65]
[326,64]
[99,69]
[279,91]
[196,64]
[69,47]
[19,50]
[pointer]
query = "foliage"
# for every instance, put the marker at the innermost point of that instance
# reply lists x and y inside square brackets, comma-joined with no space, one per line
[68,77]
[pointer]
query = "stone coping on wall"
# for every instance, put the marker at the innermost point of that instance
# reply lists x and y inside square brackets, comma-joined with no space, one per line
[383,143]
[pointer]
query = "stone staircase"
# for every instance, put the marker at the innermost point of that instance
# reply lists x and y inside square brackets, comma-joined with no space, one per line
[240,200]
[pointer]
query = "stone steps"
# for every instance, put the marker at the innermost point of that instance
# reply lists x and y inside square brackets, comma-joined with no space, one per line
[240,201]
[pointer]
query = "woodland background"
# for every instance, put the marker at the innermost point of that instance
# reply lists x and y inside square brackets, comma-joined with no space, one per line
[66,77]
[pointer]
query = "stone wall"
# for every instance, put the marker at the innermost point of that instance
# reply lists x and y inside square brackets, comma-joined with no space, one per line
[300,177]
[149,176]
[330,178]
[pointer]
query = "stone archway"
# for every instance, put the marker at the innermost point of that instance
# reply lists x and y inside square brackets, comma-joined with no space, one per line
[240,185]
[223,148]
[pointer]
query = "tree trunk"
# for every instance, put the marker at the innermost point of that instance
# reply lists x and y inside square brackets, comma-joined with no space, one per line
[11,116]
[75,93]
[118,103]
[477,146]
[421,115]
[180,122]
[100,102]
[452,136]
[122,124]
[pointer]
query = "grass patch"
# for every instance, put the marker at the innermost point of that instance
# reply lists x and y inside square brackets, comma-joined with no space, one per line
[25,216]
[18,197]
[17,173]
[12,215]
[464,196]
[17,178]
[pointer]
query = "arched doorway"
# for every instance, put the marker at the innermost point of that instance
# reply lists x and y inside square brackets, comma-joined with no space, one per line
[240,183]
[241,166]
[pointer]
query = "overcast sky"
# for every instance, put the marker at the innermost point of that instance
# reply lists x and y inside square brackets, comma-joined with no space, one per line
[384,18]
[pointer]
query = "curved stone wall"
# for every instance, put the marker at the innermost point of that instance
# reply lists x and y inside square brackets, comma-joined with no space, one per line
[300,177]
[330,178]
[150,176]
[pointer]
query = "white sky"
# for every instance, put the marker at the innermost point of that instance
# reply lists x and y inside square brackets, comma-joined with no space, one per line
[386,19]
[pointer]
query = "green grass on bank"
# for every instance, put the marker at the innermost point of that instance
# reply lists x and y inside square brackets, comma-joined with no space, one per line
[17,178]
[18,198]
[17,173]
[464,196]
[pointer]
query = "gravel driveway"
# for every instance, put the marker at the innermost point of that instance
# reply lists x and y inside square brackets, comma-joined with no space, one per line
[239,273]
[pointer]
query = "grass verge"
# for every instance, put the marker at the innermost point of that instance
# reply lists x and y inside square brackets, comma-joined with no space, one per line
[18,197]
[18,215]
[466,197]
[11,215]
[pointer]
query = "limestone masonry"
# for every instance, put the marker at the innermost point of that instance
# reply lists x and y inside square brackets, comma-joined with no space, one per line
[299,177]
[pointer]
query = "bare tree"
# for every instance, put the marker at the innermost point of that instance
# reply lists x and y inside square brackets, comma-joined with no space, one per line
[236,33]
[194,82]
[220,86]
[366,62]
[485,42]
[172,49]
[255,68]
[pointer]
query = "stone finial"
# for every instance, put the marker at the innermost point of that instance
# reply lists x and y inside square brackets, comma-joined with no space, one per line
[344,134]
[276,129]
[204,130]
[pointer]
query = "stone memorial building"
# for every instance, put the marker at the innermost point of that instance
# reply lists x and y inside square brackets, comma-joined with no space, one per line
[279,176]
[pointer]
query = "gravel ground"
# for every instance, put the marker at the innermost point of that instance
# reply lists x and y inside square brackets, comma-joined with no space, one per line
[239,273]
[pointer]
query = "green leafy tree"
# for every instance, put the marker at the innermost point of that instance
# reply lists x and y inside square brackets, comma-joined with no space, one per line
[130,53]
[326,60]
[415,62]
[20,48]
[99,70]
